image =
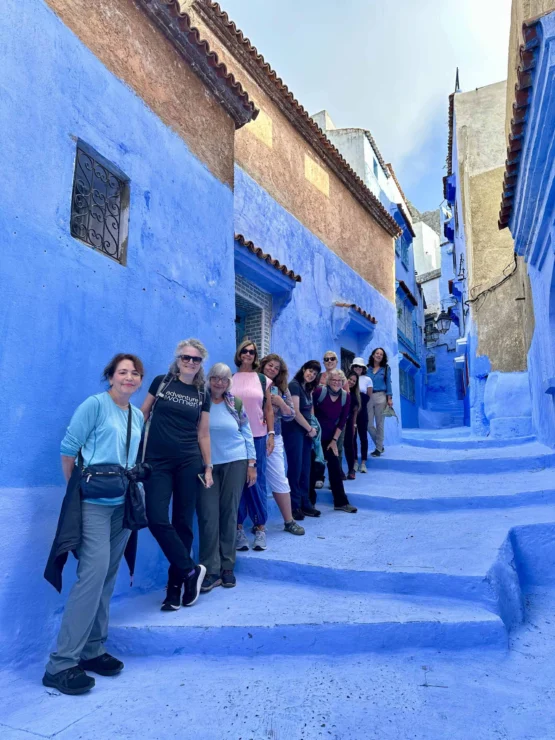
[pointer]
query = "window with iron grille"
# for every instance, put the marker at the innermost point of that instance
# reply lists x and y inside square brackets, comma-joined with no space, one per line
[407,385]
[430,364]
[99,204]
[405,323]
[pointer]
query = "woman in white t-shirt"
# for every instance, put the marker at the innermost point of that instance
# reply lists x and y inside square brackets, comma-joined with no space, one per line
[365,387]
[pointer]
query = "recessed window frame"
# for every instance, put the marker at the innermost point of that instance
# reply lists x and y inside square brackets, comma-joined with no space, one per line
[104,168]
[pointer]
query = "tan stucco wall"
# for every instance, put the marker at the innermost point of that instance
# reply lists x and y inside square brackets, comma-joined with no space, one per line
[141,56]
[521,10]
[502,321]
[283,163]
[498,315]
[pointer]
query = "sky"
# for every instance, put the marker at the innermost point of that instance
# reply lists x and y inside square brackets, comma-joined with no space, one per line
[384,66]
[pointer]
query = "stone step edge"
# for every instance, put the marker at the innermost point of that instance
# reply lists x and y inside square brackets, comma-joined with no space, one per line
[317,639]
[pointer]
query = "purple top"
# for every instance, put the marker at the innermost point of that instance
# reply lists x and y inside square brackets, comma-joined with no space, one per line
[330,414]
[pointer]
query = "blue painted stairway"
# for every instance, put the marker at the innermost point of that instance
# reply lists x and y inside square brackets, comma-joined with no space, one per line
[438,555]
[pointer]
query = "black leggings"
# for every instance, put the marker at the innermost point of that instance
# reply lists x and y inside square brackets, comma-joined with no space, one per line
[176,537]
[334,472]
[362,429]
[350,442]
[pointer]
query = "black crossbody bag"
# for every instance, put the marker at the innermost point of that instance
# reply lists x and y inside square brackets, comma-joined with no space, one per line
[106,480]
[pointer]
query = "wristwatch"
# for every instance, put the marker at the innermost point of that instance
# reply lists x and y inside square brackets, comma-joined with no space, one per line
[208,466]
[252,465]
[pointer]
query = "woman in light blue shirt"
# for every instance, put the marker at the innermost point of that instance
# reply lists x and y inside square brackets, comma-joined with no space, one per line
[98,431]
[234,461]
[382,396]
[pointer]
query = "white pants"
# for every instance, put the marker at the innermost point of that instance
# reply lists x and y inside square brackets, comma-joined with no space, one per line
[276,480]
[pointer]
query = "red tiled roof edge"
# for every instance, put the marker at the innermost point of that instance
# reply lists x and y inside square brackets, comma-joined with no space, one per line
[394,176]
[267,258]
[377,152]
[406,218]
[255,64]
[358,309]
[449,143]
[409,358]
[405,288]
[523,98]
[176,26]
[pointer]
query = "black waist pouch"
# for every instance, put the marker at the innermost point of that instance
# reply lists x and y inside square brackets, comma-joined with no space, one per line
[104,481]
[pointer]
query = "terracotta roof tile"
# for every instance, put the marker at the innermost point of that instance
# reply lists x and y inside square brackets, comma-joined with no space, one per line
[249,57]
[409,358]
[176,26]
[267,258]
[358,309]
[377,152]
[406,290]
[523,98]
[406,218]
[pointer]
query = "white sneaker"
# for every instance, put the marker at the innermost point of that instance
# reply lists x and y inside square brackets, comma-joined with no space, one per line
[355,467]
[259,540]
[363,467]
[241,541]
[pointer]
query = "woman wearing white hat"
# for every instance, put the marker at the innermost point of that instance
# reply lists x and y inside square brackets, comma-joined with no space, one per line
[365,387]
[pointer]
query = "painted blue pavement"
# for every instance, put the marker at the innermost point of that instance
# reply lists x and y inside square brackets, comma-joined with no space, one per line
[390,623]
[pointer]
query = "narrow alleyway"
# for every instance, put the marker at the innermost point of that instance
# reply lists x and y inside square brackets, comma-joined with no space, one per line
[403,621]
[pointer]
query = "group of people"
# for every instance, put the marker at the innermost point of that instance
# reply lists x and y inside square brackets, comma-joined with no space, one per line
[213,445]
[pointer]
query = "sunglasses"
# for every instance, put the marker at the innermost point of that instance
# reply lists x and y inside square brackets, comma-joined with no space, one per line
[330,359]
[248,352]
[190,358]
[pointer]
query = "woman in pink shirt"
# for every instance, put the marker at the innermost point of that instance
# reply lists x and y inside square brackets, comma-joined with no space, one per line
[253,389]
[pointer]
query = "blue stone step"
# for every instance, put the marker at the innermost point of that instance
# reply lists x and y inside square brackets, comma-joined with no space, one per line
[460,442]
[268,617]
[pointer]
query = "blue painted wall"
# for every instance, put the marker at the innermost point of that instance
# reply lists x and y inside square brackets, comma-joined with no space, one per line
[532,225]
[305,327]
[67,309]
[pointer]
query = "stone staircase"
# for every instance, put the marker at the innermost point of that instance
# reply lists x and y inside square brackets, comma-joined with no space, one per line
[436,557]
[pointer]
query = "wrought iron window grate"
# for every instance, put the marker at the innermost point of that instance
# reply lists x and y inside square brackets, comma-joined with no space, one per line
[99,206]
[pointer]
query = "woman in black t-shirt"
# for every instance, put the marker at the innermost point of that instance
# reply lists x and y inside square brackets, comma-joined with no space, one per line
[297,439]
[178,449]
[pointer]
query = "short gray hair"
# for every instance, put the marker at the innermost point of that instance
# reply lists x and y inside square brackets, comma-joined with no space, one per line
[198,345]
[335,374]
[220,370]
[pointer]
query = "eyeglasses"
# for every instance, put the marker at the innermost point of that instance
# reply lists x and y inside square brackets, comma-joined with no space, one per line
[248,352]
[190,358]
[219,381]
[330,359]
[335,380]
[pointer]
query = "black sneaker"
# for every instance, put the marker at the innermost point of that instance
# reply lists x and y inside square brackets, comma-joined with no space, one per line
[376,453]
[104,665]
[311,511]
[298,514]
[172,602]
[343,476]
[72,681]
[193,585]
[210,582]
[228,579]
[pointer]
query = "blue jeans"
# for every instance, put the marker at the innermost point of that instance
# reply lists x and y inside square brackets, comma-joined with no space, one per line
[298,448]
[254,503]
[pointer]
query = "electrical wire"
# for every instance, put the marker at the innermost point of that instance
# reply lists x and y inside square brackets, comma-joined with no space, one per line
[506,276]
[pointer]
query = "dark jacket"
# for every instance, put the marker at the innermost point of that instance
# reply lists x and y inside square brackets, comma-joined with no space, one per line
[68,534]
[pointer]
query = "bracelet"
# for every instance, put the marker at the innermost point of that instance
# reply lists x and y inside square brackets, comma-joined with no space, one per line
[208,465]
[272,432]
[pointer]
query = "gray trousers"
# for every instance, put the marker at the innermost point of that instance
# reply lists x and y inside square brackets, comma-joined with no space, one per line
[376,406]
[217,509]
[84,626]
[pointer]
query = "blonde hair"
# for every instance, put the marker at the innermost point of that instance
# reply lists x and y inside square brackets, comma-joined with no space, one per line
[331,352]
[198,380]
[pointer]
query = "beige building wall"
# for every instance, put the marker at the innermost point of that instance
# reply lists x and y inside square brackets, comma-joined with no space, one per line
[273,152]
[499,316]
[521,10]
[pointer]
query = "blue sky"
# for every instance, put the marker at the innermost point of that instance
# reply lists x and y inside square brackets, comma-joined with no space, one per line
[385,66]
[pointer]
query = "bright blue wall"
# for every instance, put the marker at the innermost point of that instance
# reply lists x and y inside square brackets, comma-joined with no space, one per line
[533,227]
[67,309]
